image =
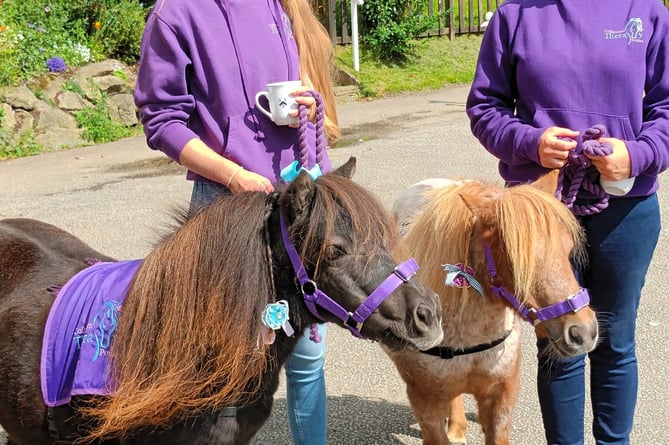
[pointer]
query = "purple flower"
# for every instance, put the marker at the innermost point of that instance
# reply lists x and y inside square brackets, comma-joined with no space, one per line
[56,65]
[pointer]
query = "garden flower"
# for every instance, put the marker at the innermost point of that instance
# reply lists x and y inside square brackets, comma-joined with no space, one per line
[47,9]
[56,65]
[97,24]
[3,28]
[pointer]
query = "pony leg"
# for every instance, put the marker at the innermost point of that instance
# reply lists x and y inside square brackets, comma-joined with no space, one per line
[430,411]
[457,422]
[496,412]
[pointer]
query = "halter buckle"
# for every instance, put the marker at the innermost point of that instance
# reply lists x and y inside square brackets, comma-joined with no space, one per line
[352,323]
[533,316]
[401,276]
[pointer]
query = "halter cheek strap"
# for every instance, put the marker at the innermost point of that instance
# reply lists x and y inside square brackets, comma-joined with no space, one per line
[572,303]
[459,275]
[314,297]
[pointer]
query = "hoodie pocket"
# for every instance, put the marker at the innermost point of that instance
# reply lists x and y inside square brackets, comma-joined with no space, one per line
[616,126]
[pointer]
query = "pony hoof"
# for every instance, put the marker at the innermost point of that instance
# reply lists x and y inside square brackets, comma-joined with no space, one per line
[457,441]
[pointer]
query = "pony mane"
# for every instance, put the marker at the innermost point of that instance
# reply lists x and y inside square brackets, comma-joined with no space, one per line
[521,213]
[187,340]
[530,223]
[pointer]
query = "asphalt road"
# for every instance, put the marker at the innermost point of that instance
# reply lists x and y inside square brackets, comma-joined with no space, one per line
[117,197]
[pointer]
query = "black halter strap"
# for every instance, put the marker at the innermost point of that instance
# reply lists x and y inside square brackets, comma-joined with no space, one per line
[446,352]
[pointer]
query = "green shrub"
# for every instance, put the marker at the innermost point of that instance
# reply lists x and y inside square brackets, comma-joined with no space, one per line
[98,125]
[32,32]
[24,146]
[390,26]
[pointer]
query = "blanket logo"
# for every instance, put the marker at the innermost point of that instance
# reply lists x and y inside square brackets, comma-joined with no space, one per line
[633,32]
[100,330]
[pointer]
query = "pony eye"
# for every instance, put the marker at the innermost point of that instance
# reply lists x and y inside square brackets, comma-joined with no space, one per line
[333,252]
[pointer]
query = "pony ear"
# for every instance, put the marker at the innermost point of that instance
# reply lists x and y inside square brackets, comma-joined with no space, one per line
[298,196]
[548,182]
[481,204]
[347,169]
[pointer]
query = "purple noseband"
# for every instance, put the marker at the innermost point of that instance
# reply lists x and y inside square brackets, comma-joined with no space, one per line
[314,297]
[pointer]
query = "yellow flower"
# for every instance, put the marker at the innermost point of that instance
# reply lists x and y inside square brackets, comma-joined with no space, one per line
[3,28]
[97,24]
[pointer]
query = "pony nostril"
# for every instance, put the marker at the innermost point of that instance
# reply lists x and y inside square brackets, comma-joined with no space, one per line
[575,335]
[424,318]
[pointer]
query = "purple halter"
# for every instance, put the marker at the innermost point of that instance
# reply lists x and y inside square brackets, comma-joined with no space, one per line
[314,297]
[572,303]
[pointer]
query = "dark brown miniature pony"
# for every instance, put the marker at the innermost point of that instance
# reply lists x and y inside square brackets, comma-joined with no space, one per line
[495,256]
[190,360]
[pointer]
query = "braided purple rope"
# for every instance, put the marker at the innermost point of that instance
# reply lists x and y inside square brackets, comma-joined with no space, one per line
[304,158]
[580,175]
[320,130]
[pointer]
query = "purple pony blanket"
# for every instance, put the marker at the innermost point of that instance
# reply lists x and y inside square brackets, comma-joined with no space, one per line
[79,330]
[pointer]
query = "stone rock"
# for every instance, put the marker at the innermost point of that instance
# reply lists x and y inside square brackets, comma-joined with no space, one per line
[69,101]
[89,89]
[8,121]
[102,68]
[122,109]
[48,85]
[24,122]
[111,84]
[20,97]
[49,118]
[57,138]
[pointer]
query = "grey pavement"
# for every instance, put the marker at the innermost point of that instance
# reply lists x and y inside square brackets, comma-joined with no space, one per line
[117,198]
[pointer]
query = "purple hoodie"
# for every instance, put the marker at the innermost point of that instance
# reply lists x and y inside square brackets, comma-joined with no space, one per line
[202,62]
[574,64]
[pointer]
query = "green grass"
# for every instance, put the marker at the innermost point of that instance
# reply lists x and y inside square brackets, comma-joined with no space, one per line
[435,63]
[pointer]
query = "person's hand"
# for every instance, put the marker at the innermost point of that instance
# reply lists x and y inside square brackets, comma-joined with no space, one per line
[555,144]
[246,181]
[307,101]
[615,166]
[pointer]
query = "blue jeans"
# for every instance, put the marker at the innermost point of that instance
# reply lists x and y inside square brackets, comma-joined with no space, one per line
[620,244]
[305,380]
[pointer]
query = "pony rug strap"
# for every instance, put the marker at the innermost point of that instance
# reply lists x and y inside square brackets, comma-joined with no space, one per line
[79,330]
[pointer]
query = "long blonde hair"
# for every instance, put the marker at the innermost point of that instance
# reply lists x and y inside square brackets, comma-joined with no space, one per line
[316,58]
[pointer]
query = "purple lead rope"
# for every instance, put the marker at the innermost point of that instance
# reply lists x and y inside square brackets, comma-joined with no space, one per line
[320,131]
[580,175]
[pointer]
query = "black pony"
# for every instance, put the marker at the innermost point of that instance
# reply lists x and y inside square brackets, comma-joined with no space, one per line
[193,360]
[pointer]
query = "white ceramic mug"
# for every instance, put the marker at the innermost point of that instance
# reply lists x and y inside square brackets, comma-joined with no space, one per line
[280,101]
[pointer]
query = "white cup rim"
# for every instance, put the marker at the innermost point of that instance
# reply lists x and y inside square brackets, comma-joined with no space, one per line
[285,82]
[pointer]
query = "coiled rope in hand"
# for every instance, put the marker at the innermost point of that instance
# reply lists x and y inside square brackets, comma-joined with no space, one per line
[578,182]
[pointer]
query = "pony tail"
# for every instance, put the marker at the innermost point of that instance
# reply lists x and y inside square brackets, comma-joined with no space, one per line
[315,49]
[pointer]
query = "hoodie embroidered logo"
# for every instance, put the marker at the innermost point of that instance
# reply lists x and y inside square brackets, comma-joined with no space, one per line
[287,26]
[633,32]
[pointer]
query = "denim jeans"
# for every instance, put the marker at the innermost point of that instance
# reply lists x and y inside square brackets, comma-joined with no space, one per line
[620,244]
[305,380]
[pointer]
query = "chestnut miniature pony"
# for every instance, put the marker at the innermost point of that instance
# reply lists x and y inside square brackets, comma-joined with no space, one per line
[195,358]
[494,255]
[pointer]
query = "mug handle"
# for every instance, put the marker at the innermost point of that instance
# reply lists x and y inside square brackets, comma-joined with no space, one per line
[260,107]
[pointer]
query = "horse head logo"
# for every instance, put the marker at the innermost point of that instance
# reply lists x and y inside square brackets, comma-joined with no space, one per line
[634,29]
[104,326]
